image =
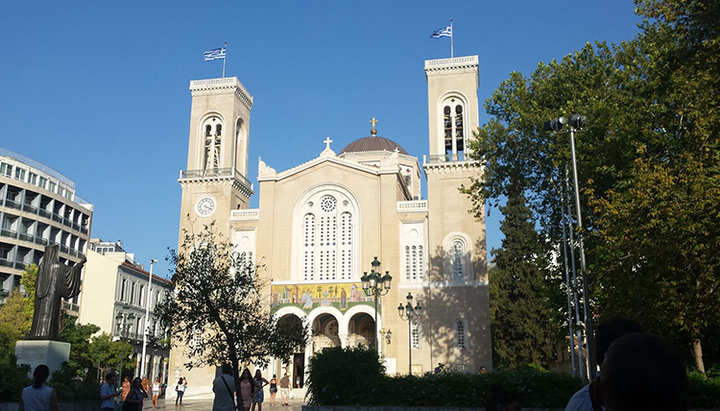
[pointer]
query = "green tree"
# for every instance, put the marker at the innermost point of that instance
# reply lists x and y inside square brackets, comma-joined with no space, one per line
[216,310]
[525,324]
[654,117]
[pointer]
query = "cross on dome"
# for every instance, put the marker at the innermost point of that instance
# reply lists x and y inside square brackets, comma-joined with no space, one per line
[373,131]
[327,142]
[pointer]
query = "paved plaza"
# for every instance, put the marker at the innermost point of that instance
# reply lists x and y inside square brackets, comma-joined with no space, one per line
[205,404]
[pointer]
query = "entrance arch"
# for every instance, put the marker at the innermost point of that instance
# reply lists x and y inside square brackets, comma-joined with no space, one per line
[361,330]
[292,321]
[325,332]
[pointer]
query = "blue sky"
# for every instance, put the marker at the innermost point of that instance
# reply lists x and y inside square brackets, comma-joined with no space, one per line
[98,90]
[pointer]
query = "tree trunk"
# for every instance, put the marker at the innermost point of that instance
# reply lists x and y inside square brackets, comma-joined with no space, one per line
[236,376]
[698,355]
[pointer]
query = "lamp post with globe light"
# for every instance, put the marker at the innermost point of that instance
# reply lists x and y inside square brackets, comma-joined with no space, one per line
[409,313]
[376,285]
[123,322]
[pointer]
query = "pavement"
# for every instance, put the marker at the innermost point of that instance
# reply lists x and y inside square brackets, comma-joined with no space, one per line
[205,404]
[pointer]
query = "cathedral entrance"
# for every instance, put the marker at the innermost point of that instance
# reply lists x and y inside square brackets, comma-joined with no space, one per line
[297,365]
[325,332]
[361,330]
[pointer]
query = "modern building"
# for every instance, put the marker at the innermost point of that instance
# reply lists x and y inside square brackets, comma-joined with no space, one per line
[38,207]
[115,292]
[320,224]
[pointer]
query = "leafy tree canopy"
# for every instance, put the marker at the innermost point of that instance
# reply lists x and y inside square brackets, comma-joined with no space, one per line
[217,312]
[525,323]
[648,163]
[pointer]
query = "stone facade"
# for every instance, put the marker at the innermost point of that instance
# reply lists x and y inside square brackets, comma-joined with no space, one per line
[320,224]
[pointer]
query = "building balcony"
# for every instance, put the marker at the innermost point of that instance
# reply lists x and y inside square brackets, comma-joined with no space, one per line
[252,214]
[448,158]
[416,206]
[216,174]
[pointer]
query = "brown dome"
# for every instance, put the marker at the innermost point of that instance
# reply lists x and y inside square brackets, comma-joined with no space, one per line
[372,144]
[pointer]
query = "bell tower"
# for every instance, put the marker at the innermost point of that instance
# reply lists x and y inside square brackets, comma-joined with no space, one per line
[215,180]
[456,239]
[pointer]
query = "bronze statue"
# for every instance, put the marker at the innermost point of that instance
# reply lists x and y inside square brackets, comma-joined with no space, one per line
[54,281]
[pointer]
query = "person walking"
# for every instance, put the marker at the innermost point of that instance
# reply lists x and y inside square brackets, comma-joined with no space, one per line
[108,393]
[39,397]
[247,389]
[125,388]
[224,389]
[180,390]
[259,397]
[273,390]
[134,400]
[285,389]
[156,392]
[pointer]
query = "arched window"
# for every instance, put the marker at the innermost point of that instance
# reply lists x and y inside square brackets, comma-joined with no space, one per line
[345,246]
[415,336]
[309,247]
[458,260]
[453,121]
[460,333]
[326,242]
[212,142]
[408,269]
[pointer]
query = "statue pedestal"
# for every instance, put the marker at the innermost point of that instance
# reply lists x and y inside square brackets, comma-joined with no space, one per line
[36,352]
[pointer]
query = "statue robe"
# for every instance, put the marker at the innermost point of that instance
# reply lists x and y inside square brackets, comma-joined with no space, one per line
[54,281]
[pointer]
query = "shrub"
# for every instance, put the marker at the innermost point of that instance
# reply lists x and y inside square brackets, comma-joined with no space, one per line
[71,387]
[13,378]
[342,376]
[703,392]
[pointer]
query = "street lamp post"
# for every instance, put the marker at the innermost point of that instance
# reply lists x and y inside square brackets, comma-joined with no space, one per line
[376,285]
[578,123]
[409,313]
[145,321]
[123,321]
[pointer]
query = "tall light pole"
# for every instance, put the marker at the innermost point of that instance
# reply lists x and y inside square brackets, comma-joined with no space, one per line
[409,313]
[123,326]
[376,285]
[578,123]
[145,321]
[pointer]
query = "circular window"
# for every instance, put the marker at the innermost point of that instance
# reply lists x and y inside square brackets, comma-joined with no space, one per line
[327,203]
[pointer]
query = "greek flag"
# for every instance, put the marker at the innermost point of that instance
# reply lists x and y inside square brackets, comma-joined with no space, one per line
[215,54]
[442,32]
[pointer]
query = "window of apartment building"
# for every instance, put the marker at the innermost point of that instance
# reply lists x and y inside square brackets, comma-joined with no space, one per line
[132,293]
[43,182]
[123,289]
[19,173]
[51,186]
[32,178]
[6,169]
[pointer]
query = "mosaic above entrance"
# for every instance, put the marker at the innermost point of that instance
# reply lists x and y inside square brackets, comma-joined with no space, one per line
[307,296]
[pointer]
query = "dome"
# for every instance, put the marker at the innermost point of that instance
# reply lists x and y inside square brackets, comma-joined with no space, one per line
[372,144]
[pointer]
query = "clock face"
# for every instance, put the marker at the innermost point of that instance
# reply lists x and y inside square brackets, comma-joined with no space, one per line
[205,206]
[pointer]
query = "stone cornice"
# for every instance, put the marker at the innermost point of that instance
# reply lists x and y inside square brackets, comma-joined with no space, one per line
[440,167]
[222,86]
[304,166]
[238,185]
[457,64]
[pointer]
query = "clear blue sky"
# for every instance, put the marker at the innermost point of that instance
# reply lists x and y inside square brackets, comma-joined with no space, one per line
[98,90]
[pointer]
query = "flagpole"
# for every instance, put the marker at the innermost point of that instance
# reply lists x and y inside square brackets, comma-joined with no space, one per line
[451,38]
[224,59]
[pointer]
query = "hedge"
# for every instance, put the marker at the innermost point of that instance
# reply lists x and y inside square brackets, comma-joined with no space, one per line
[355,376]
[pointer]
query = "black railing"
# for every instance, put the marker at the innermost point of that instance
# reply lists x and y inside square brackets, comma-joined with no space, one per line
[448,158]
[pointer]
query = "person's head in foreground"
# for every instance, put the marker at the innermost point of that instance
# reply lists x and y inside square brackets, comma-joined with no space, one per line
[642,372]
[501,400]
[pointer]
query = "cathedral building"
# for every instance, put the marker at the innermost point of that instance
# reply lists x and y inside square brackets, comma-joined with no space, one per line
[321,224]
